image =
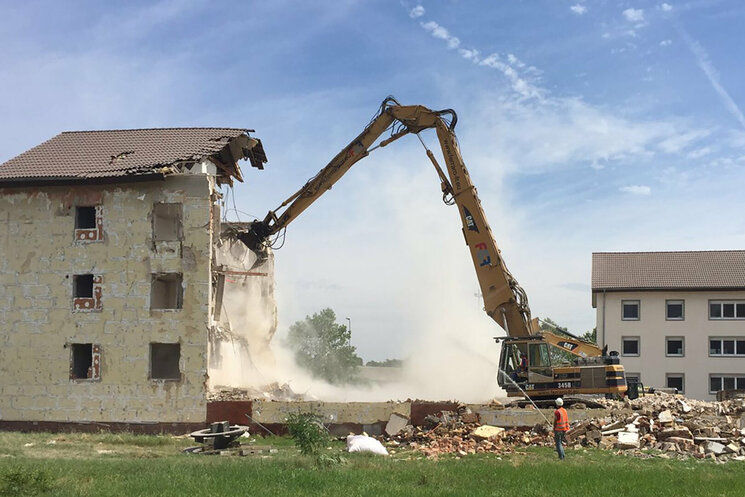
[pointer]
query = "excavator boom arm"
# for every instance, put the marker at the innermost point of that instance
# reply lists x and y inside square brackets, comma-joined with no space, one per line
[504,300]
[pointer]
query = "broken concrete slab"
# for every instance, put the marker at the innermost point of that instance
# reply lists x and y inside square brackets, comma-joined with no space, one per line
[665,417]
[715,448]
[396,423]
[487,432]
[627,440]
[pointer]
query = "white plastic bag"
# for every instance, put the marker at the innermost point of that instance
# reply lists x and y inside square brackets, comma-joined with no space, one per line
[363,443]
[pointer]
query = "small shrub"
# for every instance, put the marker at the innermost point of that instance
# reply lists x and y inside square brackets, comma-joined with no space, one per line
[308,432]
[18,482]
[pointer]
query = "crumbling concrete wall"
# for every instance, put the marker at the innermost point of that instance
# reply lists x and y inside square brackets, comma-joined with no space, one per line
[40,258]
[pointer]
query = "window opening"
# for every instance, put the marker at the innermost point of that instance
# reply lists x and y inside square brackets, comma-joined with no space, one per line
[630,346]
[86,292]
[630,310]
[674,346]
[164,361]
[719,382]
[674,310]
[727,346]
[167,224]
[85,217]
[167,291]
[88,223]
[726,309]
[85,361]
[676,381]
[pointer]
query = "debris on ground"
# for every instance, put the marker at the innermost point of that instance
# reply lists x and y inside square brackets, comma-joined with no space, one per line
[272,391]
[660,425]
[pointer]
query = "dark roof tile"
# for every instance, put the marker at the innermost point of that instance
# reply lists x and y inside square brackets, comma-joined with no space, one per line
[115,153]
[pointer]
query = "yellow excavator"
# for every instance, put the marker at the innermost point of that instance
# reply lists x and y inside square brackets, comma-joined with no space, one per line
[543,363]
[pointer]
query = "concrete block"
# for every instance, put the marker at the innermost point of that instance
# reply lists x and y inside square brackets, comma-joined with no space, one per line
[715,448]
[485,432]
[627,440]
[665,417]
[396,423]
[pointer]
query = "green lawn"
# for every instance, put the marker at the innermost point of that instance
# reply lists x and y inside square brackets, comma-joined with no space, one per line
[127,465]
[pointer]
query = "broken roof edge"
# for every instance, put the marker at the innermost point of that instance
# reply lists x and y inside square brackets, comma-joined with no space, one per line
[90,160]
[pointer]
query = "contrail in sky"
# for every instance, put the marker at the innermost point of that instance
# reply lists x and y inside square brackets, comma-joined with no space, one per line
[703,61]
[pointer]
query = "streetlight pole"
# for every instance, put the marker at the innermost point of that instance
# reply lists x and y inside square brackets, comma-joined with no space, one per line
[349,322]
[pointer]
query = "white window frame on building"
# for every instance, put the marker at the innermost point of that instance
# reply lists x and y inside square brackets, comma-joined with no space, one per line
[738,382]
[630,303]
[682,377]
[674,302]
[735,309]
[638,341]
[682,341]
[738,346]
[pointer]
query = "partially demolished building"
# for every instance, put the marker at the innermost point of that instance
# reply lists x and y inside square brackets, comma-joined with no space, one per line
[112,275]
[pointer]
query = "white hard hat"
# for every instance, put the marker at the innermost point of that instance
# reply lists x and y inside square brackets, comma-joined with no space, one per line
[559,402]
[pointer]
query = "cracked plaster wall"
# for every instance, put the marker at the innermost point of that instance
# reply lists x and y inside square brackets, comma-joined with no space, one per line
[39,258]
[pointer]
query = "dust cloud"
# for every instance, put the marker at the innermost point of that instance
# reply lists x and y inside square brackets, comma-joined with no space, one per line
[456,360]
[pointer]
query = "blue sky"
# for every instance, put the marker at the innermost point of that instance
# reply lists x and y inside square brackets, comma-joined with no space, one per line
[586,125]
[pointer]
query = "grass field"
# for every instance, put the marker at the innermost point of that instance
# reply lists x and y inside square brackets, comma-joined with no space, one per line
[128,465]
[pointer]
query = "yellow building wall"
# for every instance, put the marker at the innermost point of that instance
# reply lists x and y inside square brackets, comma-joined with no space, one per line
[39,257]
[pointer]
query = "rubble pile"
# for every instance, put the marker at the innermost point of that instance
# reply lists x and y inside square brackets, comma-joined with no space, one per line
[272,391]
[659,425]
[675,426]
[459,432]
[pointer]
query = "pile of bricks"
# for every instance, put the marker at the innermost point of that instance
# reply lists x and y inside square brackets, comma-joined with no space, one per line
[660,425]
[459,432]
[671,425]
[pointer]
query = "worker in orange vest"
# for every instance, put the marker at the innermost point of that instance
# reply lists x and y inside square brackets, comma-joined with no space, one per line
[561,426]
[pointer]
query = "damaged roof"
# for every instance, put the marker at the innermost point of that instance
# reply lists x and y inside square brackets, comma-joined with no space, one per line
[710,269]
[90,155]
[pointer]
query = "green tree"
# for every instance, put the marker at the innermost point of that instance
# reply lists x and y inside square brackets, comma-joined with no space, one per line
[321,346]
[388,363]
[590,336]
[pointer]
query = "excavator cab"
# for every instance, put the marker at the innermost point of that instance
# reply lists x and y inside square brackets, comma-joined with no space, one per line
[540,378]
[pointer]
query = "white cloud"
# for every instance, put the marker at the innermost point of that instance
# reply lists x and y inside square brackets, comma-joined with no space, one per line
[511,68]
[556,133]
[703,61]
[417,11]
[519,84]
[441,33]
[666,43]
[666,7]
[634,15]
[578,9]
[636,189]
[677,143]
[469,54]
[698,153]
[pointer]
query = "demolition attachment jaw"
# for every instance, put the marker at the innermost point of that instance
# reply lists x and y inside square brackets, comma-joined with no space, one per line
[256,238]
